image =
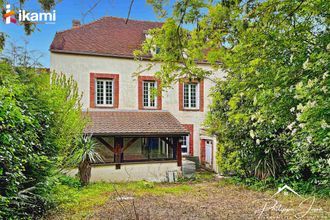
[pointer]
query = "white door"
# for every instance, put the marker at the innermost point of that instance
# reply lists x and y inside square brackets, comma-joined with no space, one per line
[208,152]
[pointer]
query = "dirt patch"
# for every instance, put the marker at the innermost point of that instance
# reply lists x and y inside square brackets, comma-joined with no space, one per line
[209,200]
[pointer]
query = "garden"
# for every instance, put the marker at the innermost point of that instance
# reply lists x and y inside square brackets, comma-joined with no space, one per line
[203,197]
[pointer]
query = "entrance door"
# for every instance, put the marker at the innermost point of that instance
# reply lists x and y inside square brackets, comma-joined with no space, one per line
[208,151]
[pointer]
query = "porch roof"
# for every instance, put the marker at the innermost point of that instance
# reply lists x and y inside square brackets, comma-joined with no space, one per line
[134,123]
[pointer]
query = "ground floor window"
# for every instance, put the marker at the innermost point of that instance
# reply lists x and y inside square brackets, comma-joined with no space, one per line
[185,145]
[148,149]
[136,149]
[105,152]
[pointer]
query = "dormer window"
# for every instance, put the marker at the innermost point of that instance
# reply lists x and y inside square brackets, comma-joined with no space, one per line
[154,49]
[157,50]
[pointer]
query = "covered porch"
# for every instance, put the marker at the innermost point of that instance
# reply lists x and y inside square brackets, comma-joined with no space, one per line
[135,145]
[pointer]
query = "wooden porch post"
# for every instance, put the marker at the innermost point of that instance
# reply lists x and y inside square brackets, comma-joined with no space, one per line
[177,144]
[119,144]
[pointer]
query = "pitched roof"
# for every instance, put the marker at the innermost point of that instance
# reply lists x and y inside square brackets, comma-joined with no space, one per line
[134,123]
[108,36]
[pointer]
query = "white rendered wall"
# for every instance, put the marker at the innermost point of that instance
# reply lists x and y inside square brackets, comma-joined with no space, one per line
[154,172]
[80,66]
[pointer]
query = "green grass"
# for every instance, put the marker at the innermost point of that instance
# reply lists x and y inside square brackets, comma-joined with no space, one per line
[200,176]
[204,176]
[78,202]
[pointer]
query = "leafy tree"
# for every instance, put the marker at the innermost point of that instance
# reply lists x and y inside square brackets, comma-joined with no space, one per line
[271,113]
[40,119]
[20,55]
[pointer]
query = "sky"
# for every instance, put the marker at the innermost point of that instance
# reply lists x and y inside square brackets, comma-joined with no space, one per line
[67,10]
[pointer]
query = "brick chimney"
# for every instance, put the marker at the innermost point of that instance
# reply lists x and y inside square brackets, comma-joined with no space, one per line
[75,23]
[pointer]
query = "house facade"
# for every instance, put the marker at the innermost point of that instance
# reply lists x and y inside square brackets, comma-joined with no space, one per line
[99,56]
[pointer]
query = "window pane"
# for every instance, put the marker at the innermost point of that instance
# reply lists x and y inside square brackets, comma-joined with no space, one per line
[147,148]
[104,92]
[99,92]
[193,95]
[158,149]
[184,144]
[190,95]
[183,140]
[152,95]
[106,154]
[149,99]
[145,94]
[186,95]
[109,89]
[137,151]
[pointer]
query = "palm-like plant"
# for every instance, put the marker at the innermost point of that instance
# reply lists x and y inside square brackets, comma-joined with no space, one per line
[270,164]
[86,155]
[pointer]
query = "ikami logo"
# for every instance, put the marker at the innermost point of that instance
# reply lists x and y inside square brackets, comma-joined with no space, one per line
[32,17]
[9,16]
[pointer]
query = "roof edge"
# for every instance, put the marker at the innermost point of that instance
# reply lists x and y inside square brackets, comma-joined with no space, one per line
[95,54]
[109,55]
[178,134]
[105,17]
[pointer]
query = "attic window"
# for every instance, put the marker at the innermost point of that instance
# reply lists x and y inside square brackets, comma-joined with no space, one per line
[155,49]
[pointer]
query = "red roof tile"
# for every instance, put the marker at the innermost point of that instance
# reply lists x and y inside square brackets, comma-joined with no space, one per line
[134,123]
[108,36]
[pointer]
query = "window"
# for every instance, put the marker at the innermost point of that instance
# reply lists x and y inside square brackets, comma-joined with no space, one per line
[148,149]
[190,96]
[185,145]
[104,92]
[135,149]
[149,93]
[149,98]
[157,50]
[105,153]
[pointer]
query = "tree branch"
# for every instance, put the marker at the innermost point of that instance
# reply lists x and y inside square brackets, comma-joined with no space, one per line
[129,11]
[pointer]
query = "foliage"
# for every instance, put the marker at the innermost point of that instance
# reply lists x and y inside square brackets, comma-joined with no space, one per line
[19,55]
[269,184]
[69,181]
[83,154]
[84,150]
[200,176]
[40,118]
[271,113]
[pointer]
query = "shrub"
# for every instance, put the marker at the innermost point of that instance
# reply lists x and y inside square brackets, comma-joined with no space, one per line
[40,118]
[271,112]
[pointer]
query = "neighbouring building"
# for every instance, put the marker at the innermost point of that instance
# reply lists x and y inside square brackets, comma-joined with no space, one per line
[139,135]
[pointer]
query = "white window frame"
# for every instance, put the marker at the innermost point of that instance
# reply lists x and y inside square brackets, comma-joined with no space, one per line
[104,92]
[149,94]
[186,138]
[189,96]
